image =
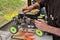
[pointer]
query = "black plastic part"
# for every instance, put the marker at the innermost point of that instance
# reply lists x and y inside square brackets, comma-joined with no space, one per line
[28,15]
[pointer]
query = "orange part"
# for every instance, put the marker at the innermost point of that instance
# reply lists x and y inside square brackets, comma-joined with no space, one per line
[29,35]
[35,11]
[27,38]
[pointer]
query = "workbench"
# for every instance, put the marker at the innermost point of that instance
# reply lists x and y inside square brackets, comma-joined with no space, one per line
[6,31]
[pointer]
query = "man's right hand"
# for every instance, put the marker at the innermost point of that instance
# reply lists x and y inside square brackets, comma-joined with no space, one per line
[27,9]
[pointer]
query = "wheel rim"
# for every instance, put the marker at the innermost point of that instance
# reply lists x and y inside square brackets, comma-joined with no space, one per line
[13,30]
[39,32]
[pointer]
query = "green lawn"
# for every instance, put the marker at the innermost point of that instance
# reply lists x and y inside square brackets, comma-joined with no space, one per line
[8,6]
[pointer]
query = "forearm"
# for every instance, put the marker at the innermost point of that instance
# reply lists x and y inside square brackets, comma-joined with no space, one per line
[39,1]
[54,30]
[36,5]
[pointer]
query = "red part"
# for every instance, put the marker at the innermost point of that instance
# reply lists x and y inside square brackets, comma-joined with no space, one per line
[29,35]
[27,38]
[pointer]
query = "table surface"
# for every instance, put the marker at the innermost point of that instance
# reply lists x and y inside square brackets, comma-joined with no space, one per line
[45,37]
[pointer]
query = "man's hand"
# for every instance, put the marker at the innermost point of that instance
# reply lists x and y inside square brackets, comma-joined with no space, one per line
[41,24]
[27,9]
[31,7]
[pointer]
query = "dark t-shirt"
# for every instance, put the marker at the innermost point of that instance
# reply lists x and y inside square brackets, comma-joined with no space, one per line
[53,13]
[53,8]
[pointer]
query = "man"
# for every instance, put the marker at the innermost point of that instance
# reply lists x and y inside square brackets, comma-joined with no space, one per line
[53,14]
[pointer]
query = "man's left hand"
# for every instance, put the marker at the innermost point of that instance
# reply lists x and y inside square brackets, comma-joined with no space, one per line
[42,25]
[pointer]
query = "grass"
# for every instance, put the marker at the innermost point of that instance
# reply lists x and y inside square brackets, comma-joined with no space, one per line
[8,6]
